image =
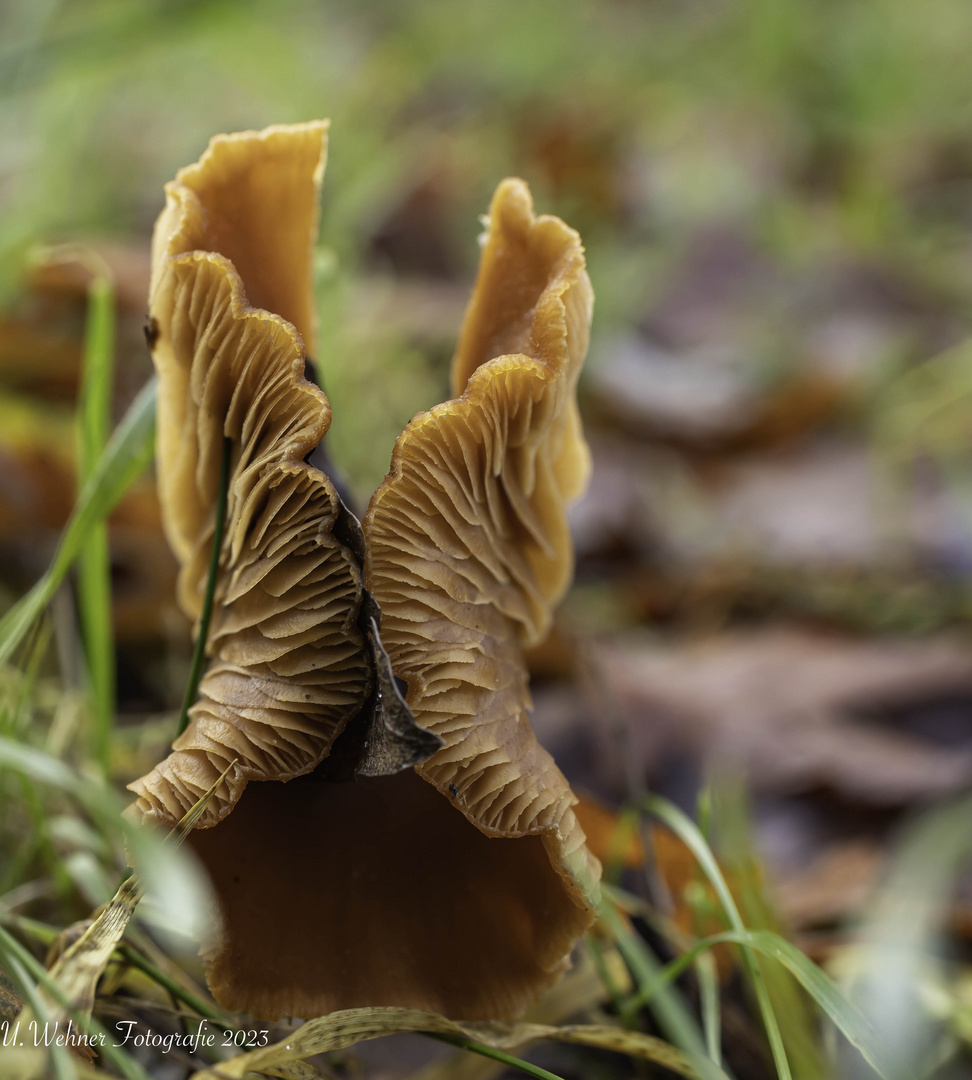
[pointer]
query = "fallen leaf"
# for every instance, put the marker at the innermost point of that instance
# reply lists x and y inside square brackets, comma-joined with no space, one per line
[785,705]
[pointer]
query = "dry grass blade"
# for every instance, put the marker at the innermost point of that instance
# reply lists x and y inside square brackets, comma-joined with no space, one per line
[188,820]
[581,991]
[79,968]
[632,1043]
[349,1026]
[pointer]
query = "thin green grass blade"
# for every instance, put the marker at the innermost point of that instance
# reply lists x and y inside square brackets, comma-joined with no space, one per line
[94,563]
[674,1018]
[124,459]
[96,796]
[33,767]
[94,405]
[688,833]
[900,952]
[511,1062]
[706,971]
[849,1020]
[174,883]
[40,833]
[799,1026]
[711,1007]
[16,709]
[100,800]
[618,1000]
[15,717]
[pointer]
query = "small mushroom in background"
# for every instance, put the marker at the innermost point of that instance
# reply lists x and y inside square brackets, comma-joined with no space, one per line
[435,861]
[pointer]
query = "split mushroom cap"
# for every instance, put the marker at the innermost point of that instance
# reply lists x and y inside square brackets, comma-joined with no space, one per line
[468,543]
[459,886]
[287,667]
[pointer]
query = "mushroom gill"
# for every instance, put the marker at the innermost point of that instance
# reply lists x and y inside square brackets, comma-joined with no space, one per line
[459,885]
[287,669]
[469,549]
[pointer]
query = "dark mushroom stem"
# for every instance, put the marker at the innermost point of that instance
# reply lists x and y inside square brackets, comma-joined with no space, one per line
[321,459]
[199,653]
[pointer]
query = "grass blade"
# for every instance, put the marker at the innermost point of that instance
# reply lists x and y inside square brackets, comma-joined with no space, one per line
[82,964]
[94,563]
[347,1027]
[69,988]
[14,952]
[474,1047]
[850,1021]
[672,1014]
[125,457]
[62,1063]
[742,865]
[901,949]
[97,797]
[711,1007]
[131,955]
[686,830]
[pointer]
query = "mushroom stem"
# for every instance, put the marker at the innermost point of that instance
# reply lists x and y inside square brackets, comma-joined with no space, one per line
[199,653]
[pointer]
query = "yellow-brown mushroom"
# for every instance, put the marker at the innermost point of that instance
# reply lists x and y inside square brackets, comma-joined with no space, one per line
[459,885]
[288,666]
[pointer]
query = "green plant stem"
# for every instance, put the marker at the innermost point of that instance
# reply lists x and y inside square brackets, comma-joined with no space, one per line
[846,1017]
[710,1006]
[199,653]
[42,932]
[94,563]
[687,831]
[626,1015]
[496,1055]
[669,1008]
[176,989]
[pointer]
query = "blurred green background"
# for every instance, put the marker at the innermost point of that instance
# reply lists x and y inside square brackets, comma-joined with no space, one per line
[771,148]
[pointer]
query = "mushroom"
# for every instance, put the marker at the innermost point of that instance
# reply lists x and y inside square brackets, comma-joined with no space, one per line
[447,872]
[288,668]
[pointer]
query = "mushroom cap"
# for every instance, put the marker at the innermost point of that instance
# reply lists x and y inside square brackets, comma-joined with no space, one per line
[468,543]
[459,886]
[469,547]
[287,669]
